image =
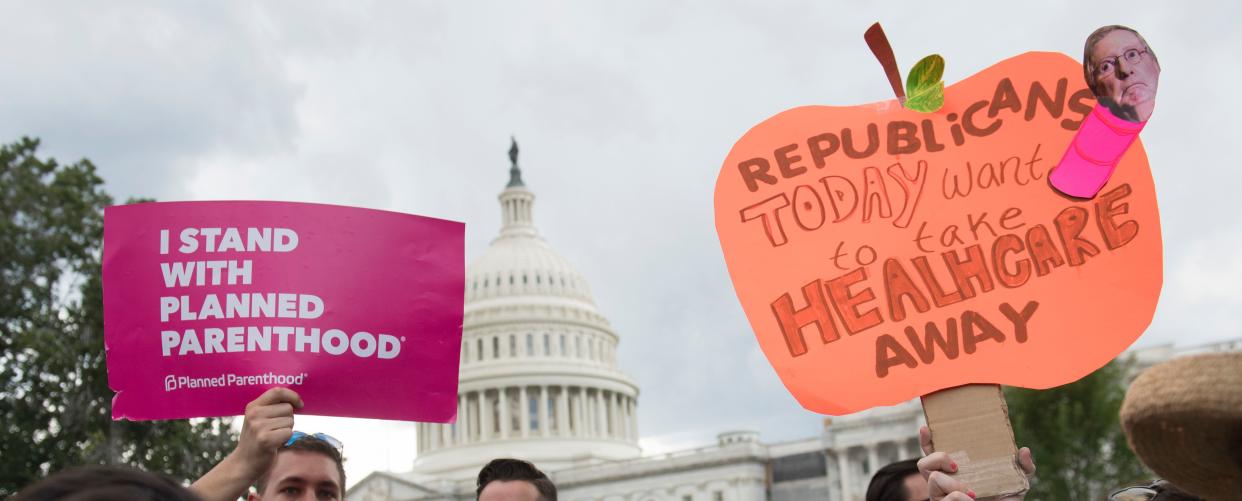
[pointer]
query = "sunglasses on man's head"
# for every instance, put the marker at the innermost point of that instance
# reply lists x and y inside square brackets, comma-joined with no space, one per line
[298,435]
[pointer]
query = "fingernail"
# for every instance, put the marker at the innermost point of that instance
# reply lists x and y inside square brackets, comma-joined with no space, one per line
[953,465]
[971,494]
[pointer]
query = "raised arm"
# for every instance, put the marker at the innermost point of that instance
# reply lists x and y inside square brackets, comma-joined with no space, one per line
[268,425]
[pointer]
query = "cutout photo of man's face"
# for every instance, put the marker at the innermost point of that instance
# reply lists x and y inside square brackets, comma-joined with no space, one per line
[1122,72]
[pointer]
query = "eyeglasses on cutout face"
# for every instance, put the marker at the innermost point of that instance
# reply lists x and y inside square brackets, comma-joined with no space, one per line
[298,435]
[1107,65]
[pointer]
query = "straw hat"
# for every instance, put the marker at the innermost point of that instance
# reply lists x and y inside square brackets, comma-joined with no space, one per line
[1184,420]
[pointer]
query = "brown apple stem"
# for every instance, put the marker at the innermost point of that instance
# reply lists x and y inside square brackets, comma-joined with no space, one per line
[878,43]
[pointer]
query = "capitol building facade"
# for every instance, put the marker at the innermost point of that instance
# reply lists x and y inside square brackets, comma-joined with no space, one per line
[539,381]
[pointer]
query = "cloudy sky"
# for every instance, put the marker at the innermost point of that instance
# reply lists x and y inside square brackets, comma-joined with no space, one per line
[624,112]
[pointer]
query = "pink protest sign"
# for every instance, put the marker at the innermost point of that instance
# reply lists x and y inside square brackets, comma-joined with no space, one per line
[208,304]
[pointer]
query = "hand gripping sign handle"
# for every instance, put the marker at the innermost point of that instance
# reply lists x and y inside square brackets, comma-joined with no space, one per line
[971,424]
[1093,154]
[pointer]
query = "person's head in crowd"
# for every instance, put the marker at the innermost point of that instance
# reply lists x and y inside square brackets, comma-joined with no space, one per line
[900,481]
[513,480]
[105,483]
[1122,71]
[308,466]
[1183,418]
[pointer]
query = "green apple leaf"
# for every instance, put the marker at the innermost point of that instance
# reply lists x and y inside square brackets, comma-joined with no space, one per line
[924,86]
[929,100]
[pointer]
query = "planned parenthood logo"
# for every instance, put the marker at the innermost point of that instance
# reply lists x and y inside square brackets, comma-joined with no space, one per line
[174,382]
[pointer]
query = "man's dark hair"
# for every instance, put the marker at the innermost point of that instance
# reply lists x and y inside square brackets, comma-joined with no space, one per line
[889,484]
[102,483]
[308,443]
[508,470]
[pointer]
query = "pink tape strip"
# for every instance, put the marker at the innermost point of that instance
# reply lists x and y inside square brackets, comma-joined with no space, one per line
[1093,154]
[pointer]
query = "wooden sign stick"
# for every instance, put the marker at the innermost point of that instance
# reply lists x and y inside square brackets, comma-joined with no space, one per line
[971,424]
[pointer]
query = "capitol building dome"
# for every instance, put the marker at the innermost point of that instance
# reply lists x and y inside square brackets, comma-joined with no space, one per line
[539,376]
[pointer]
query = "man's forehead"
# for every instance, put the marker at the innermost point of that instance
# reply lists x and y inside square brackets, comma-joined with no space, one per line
[1119,39]
[509,490]
[307,466]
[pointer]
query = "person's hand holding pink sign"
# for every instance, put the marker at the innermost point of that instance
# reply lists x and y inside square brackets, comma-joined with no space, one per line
[268,425]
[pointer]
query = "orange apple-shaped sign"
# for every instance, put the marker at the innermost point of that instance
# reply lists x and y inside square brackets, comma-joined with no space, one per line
[882,254]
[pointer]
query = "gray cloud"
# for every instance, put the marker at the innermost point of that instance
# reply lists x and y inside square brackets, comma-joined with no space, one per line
[142,90]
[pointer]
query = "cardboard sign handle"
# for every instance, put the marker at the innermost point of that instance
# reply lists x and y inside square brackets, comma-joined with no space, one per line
[971,424]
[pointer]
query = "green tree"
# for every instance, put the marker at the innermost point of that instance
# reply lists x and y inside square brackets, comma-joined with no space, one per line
[54,395]
[1075,435]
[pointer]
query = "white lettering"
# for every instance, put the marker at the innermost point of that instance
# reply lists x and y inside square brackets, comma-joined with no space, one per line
[244,305]
[189,344]
[388,346]
[237,305]
[236,341]
[259,339]
[168,339]
[213,340]
[335,342]
[286,240]
[211,234]
[264,304]
[167,306]
[241,272]
[362,344]
[186,314]
[189,244]
[211,308]
[283,332]
[232,241]
[215,267]
[177,273]
[259,239]
[287,307]
[309,306]
[307,339]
